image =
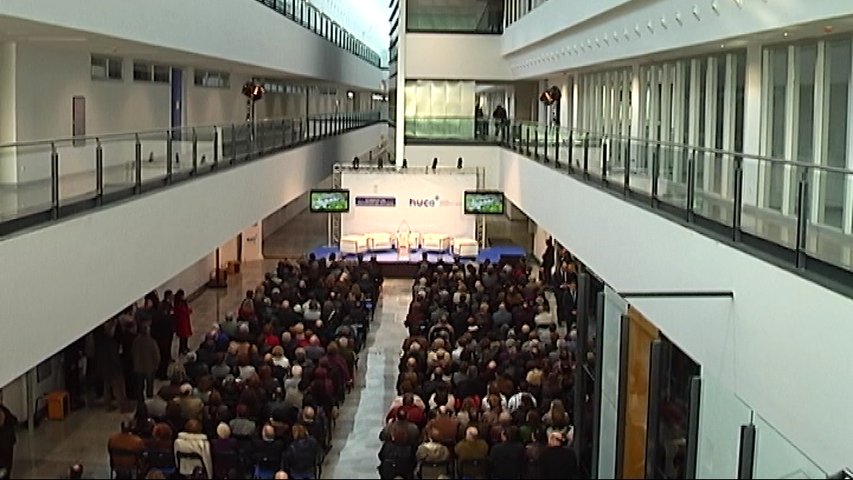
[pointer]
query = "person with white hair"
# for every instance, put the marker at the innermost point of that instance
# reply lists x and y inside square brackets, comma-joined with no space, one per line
[472,447]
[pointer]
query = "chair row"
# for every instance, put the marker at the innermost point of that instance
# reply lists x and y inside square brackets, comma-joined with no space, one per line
[353,244]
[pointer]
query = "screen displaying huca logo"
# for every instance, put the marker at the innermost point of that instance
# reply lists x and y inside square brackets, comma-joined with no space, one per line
[425,202]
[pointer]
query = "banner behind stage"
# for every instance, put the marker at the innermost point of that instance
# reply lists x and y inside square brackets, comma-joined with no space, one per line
[429,203]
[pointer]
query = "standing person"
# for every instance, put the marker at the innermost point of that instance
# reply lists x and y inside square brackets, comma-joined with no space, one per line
[163,332]
[8,422]
[479,122]
[565,293]
[548,261]
[500,117]
[183,325]
[108,359]
[146,358]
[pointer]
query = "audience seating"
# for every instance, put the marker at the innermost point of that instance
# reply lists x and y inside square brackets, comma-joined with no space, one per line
[509,384]
[255,337]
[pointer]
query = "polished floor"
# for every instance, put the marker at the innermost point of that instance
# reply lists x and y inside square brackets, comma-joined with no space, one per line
[82,437]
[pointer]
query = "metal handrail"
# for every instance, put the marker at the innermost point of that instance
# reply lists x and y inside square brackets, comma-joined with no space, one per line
[574,132]
[188,129]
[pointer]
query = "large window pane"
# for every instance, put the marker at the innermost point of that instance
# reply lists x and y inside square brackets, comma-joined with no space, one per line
[838,64]
[778,72]
[805,113]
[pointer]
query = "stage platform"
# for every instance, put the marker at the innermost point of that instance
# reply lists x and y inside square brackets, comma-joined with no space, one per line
[393,267]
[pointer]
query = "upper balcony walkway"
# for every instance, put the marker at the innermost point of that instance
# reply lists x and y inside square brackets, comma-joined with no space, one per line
[733,197]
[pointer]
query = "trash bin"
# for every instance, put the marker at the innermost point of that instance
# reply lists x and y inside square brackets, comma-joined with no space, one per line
[58,405]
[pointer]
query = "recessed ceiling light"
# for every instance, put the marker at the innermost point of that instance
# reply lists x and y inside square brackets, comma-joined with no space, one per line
[722,45]
[784,34]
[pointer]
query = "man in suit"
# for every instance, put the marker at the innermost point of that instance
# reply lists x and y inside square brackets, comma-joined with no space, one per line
[566,294]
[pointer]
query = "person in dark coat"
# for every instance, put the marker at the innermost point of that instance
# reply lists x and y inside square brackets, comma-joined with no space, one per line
[548,257]
[108,360]
[8,422]
[163,332]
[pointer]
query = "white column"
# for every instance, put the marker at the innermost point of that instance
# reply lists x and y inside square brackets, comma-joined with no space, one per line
[752,122]
[729,110]
[821,123]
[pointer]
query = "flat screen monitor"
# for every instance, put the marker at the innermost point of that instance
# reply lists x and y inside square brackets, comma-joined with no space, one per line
[484,202]
[329,201]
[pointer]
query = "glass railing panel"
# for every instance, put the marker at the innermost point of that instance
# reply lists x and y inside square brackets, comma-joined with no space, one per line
[714,193]
[76,170]
[31,165]
[618,151]
[641,165]
[778,457]
[119,160]
[672,175]
[825,236]
[721,414]
[764,214]
[154,156]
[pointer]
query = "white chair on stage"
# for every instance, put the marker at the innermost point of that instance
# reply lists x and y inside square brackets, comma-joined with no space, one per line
[435,242]
[379,241]
[465,247]
[353,244]
[412,239]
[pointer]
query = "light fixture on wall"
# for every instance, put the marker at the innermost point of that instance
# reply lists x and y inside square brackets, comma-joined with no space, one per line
[350,94]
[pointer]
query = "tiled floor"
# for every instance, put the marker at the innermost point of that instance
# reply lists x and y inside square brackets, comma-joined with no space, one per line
[82,437]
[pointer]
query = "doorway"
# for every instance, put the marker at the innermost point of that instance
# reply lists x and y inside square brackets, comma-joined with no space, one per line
[177,103]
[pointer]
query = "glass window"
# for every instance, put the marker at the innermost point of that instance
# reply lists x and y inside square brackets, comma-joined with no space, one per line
[114,69]
[99,67]
[677,374]
[838,64]
[162,73]
[105,67]
[205,78]
[778,85]
[141,72]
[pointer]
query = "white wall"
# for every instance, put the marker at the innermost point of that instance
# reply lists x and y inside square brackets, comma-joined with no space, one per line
[447,56]
[555,52]
[426,202]
[783,342]
[290,211]
[472,156]
[242,31]
[192,278]
[129,239]
[551,18]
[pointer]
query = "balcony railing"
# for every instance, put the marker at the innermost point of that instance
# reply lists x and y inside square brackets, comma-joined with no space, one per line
[455,16]
[308,16]
[66,176]
[795,212]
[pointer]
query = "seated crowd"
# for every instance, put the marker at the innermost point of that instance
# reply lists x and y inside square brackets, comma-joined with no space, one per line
[485,379]
[259,397]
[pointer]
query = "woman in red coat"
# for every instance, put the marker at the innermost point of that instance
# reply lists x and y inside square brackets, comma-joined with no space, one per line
[183,326]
